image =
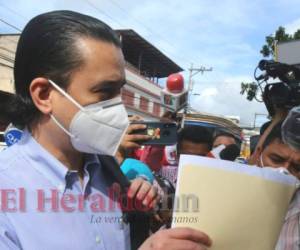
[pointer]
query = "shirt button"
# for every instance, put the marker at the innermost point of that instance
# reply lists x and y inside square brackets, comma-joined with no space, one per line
[98,240]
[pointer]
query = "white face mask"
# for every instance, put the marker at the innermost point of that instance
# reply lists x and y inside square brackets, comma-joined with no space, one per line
[96,128]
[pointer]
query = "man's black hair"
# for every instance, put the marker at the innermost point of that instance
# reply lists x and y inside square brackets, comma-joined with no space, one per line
[223,133]
[253,143]
[264,127]
[227,134]
[48,48]
[275,134]
[5,98]
[195,134]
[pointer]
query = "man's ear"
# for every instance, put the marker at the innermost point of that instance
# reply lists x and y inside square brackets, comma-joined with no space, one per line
[40,90]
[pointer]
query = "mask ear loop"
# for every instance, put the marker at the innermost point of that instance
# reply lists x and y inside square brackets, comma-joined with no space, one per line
[61,126]
[60,90]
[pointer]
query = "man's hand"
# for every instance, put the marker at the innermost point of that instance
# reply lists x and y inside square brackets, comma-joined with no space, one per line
[177,239]
[144,193]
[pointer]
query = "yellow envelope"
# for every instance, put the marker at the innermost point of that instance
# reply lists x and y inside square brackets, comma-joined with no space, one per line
[240,207]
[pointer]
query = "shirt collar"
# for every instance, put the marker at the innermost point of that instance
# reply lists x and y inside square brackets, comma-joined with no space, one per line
[90,159]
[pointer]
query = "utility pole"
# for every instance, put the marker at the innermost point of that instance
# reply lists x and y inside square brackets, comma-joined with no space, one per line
[194,71]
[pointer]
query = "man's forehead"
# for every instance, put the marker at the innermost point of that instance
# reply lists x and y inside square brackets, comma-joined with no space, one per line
[224,137]
[277,143]
[95,50]
[280,148]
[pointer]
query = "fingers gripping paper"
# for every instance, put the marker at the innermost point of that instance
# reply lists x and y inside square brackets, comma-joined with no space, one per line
[239,207]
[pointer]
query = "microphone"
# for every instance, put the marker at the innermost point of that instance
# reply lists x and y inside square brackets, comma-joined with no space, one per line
[174,95]
[230,153]
[133,169]
[12,135]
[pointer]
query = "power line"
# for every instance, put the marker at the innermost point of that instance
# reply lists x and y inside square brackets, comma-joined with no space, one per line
[102,12]
[10,25]
[13,11]
[116,21]
[147,28]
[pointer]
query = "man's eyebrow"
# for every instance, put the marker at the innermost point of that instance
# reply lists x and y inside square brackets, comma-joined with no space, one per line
[109,85]
[278,156]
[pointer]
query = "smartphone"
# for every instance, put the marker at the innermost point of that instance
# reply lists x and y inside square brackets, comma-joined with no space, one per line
[162,133]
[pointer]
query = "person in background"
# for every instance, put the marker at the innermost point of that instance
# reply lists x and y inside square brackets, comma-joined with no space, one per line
[275,153]
[279,116]
[194,140]
[253,143]
[224,138]
[264,127]
[255,138]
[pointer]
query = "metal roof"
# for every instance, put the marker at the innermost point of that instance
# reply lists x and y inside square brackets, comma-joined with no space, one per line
[150,61]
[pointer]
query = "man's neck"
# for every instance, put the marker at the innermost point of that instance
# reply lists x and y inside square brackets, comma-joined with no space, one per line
[59,146]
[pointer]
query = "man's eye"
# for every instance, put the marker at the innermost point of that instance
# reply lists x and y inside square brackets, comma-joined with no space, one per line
[277,159]
[108,94]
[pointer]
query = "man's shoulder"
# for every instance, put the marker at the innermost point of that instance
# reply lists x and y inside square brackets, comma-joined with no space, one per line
[11,162]
[294,208]
[8,156]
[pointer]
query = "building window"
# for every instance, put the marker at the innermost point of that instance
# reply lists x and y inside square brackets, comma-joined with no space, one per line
[144,104]
[128,97]
[156,109]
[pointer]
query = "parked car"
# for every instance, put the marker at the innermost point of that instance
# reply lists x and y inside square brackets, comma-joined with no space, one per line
[214,123]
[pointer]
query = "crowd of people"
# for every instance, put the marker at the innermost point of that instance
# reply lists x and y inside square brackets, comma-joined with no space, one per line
[69,71]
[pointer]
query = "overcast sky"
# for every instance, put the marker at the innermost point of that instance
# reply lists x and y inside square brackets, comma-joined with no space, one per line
[224,34]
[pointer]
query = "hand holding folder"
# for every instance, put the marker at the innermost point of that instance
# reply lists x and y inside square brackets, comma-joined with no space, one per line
[240,207]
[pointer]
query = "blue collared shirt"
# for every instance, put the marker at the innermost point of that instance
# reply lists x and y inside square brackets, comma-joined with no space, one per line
[44,206]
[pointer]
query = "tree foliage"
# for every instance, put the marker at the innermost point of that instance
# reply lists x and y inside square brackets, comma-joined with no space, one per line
[250,89]
[268,49]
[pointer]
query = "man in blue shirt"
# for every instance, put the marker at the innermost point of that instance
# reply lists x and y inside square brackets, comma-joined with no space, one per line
[56,192]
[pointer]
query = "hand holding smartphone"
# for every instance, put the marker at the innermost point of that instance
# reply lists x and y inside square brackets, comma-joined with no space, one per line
[161,133]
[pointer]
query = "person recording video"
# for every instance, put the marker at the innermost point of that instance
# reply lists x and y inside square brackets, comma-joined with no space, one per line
[277,145]
[278,97]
